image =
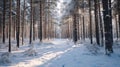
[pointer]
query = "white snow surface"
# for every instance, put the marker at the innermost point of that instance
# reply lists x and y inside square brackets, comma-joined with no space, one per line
[60,53]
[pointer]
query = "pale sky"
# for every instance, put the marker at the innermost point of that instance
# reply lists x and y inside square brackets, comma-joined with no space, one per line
[60,6]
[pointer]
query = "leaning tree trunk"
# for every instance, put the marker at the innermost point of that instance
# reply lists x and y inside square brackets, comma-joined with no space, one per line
[107,27]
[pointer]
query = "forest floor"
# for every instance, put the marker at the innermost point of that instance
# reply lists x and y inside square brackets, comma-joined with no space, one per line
[59,53]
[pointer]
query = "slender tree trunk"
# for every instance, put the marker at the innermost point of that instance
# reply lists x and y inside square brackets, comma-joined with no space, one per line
[4,13]
[45,28]
[31,22]
[118,11]
[10,21]
[101,25]
[69,28]
[78,23]
[40,26]
[90,27]
[23,22]
[83,28]
[7,31]
[34,24]
[14,28]
[116,24]
[74,29]
[96,22]
[83,19]
[18,22]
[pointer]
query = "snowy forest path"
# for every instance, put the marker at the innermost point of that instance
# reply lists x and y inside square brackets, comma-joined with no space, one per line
[40,53]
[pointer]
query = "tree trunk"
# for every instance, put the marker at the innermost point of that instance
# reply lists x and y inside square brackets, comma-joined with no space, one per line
[14,28]
[118,11]
[31,22]
[83,19]
[18,23]
[116,24]
[10,21]
[110,18]
[74,29]
[23,22]
[34,23]
[90,18]
[40,26]
[83,27]
[4,13]
[101,25]
[107,27]
[78,29]
[96,22]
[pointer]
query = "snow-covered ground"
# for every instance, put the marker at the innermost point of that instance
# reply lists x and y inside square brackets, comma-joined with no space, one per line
[60,53]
